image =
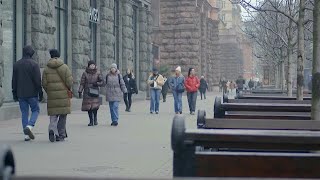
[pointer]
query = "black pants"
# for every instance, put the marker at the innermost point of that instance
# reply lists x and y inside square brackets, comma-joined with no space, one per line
[164,95]
[127,97]
[204,94]
[93,115]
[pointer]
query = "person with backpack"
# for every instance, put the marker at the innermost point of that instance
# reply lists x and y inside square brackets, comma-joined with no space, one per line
[132,88]
[26,88]
[90,82]
[155,82]
[57,82]
[177,85]
[115,87]
[192,85]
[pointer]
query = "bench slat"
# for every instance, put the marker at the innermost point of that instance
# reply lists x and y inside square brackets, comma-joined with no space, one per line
[262,124]
[266,107]
[248,116]
[237,164]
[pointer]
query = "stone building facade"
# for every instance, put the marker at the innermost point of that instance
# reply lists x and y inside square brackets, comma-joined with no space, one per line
[107,31]
[187,36]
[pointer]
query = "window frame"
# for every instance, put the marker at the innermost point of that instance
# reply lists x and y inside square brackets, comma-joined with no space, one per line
[60,29]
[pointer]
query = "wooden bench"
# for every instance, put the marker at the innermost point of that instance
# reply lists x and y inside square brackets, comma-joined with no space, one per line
[271,124]
[277,154]
[266,110]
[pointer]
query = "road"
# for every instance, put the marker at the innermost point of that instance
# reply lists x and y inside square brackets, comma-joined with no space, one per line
[139,147]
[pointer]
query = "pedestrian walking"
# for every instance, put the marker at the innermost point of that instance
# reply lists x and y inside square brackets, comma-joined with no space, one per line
[251,84]
[192,85]
[203,87]
[220,85]
[91,80]
[132,88]
[177,85]
[232,86]
[155,82]
[115,87]
[165,88]
[26,88]
[57,82]
[240,84]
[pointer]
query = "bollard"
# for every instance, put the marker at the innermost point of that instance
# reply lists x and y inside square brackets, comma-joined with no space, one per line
[7,164]
[201,119]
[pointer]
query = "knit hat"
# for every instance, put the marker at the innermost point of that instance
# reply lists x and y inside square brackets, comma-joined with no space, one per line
[91,62]
[114,66]
[178,69]
[54,53]
[155,70]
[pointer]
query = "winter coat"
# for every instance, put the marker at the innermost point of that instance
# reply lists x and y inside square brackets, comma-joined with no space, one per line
[56,80]
[165,87]
[26,77]
[240,83]
[131,84]
[159,80]
[251,84]
[115,89]
[192,84]
[175,81]
[203,85]
[91,78]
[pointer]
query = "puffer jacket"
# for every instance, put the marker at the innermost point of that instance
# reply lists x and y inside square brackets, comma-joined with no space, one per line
[115,87]
[174,82]
[56,80]
[192,84]
[91,78]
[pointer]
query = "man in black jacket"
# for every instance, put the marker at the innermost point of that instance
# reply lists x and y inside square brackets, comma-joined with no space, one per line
[26,88]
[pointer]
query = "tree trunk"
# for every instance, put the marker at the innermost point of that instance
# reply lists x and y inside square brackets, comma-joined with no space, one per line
[290,68]
[301,54]
[277,76]
[283,76]
[315,109]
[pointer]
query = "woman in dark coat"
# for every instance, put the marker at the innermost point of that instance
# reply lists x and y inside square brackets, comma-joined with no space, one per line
[165,89]
[132,88]
[203,87]
[91,78]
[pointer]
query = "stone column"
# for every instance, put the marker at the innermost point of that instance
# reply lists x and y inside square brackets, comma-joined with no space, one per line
[42,29]
[143,50]
[127,36]
[80,39]
[1,59]
[107,39]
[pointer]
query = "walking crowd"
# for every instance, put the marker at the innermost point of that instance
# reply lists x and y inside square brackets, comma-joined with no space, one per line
[57,81]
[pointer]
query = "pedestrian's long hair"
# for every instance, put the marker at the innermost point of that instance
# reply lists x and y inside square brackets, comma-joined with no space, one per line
[189,72]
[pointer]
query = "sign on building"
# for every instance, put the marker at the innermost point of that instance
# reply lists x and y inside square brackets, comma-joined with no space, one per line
[94,15]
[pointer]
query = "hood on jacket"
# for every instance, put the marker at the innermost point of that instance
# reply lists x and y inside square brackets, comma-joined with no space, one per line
[91,71]
[54,63]
[28,51]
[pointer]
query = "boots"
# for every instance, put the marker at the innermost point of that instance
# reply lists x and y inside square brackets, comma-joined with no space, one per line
[95,118]
[90,118]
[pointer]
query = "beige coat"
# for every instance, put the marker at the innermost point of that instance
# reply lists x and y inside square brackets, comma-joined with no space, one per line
[159,81]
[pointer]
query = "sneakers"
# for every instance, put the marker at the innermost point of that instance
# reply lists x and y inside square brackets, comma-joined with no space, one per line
[26,138]
[157,112]
[27,131]
[192,113]
[52,137]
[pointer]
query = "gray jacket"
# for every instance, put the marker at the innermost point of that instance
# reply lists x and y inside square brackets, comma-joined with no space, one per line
[115,89]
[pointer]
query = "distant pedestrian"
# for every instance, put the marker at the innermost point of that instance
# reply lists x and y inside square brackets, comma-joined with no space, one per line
[220,85]
[91,80]
[165,88]
[155,82]
[115,88]
[132,88]
[192,85]
[240,84]
[203,87]
[251,84]
[232,86]
[26,88]
[224,86]
[177,85]
[57,82]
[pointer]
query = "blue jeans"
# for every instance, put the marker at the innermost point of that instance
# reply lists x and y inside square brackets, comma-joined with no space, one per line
[177,101]
[192,101]
[155,99]
[114,110]
[25,104]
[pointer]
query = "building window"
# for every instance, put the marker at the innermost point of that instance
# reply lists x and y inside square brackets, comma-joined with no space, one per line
[93,30]
[61,27]
[135,46]
[116,32]
[223,17]
[155,9]
[20,30]
[223,4]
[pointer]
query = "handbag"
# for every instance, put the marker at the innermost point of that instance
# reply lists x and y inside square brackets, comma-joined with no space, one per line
[93,92]
[154,84]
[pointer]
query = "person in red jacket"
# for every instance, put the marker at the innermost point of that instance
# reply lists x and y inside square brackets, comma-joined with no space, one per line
[192,84]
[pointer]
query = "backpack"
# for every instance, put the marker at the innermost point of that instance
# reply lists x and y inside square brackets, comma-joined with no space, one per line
[118,78]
